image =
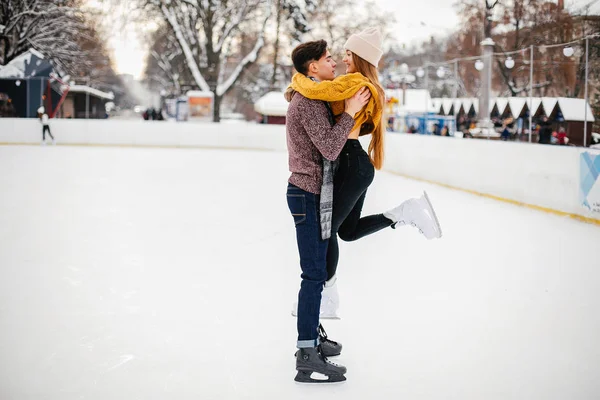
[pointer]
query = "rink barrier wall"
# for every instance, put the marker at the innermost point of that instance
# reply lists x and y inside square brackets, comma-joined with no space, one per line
[140,133]
[510,201]
[545,178]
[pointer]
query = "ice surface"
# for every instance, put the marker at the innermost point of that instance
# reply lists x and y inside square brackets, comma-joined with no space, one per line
[170,274]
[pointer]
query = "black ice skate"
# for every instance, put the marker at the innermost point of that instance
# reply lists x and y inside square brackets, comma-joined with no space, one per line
[310,360]
[329,348]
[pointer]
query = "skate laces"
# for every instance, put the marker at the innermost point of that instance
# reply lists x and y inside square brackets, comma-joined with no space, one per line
[320,350]
[323,336]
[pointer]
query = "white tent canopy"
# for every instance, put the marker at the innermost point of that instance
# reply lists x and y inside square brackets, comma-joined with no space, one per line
[535,104]
[572,109]
[548,103]
[417,100]
[437,104]
[273,104]
[516,104]
[501,103]
[447,105]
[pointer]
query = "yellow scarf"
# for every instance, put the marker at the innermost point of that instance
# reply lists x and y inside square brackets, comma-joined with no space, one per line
[339,89]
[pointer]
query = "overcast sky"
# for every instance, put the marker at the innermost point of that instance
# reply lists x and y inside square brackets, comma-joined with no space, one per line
[416,20]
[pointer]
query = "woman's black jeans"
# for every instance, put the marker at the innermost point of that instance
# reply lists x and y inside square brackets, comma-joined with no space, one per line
[354,175]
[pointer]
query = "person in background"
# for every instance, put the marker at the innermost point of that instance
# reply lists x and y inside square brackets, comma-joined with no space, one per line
[563,140]
[545,131]
[505,134]
[595,141]
[45,121]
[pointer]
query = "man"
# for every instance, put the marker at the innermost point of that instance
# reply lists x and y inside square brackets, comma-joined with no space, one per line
[312,135]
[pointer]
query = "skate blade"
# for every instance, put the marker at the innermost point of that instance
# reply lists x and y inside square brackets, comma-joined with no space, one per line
[315,377]
[329,316]
[322,316]
[431,211]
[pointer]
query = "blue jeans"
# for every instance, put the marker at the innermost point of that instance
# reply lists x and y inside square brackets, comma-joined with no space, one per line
[304,207]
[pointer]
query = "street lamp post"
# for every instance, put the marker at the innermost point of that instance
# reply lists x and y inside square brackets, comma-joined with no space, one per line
[455,94]
[426,115]
[586,92]
[486,68]
[530,91]
[568,51]
[403,76]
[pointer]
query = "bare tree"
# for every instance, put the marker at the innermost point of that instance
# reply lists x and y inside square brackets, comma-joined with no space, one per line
[515,25]
[488,22]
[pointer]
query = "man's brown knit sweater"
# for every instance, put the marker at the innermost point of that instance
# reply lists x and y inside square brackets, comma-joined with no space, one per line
[310,137]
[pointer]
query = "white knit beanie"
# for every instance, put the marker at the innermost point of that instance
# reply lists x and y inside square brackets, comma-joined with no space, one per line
[366,45]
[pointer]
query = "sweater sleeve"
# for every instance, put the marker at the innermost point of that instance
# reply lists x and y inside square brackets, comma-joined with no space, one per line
[329,140]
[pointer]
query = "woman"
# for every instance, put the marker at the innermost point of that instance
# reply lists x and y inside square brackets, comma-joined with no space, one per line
[355,168]
[45,121]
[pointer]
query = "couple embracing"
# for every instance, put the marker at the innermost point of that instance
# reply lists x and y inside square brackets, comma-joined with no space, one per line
[330,175]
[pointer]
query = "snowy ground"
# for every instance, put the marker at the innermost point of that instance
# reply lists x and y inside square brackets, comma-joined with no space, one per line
[170,273]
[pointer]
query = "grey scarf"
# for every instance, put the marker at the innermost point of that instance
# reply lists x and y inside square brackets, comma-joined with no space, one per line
[329,170]
[326,205]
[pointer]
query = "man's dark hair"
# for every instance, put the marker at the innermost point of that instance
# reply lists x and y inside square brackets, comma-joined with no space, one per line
[306,53]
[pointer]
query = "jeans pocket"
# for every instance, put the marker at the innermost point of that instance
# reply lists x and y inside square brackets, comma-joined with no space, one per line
[365,167]
[297,206]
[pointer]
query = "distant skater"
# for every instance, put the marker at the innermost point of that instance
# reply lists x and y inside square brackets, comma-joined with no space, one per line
[45,121]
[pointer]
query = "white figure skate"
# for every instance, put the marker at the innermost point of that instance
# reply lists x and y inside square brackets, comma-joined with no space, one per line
[418,213]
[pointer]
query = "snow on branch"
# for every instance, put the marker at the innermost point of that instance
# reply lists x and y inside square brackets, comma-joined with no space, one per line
[193,65]
[223,87]
[231,25]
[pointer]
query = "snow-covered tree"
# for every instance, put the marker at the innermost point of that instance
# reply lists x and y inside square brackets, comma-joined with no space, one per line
[166,66]
[218,38]
[52,27]
[291,17]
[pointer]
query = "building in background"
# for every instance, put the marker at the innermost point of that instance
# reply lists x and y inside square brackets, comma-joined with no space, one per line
[84,102]
[271,108]
[28,83]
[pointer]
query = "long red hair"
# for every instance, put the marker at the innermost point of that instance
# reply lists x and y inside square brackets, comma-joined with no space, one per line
[375,128]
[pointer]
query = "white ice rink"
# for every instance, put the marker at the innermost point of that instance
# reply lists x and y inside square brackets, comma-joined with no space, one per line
[145,273]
